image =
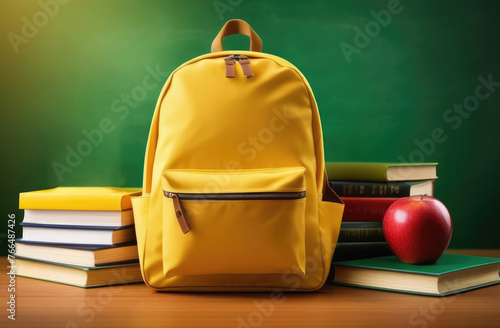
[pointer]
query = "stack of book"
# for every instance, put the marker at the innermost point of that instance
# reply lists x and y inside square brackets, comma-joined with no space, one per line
[78,236]
[367,190]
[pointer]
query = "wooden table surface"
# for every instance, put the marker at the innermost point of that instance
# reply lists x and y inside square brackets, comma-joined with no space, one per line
[44,304]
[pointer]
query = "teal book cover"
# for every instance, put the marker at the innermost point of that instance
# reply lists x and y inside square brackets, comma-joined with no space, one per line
[451,274]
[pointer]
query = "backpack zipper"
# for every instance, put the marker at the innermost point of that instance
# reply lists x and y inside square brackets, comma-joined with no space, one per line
[239,196]
[176,197]
[243,61]
[237,57]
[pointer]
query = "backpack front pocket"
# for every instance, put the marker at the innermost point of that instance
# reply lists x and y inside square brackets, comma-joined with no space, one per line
[249,221]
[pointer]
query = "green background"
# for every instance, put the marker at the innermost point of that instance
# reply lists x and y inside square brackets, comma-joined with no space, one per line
[74,70]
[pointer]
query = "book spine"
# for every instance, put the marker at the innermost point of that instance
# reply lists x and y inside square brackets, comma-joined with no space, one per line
[361,225]
[357,251]
[69,201]
[363,209]
[356,171]
[62,202]
[370,189]
[361,235]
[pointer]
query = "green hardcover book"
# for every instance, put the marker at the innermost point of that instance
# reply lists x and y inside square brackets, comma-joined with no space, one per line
[77,275]
[451,274]
[347,251]
[361,235]
[382,189]
[380,172]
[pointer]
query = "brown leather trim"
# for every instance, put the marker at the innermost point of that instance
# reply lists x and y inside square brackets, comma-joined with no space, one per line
[328,194]
[247,69]
[237,26]
[180,215]
[229,68]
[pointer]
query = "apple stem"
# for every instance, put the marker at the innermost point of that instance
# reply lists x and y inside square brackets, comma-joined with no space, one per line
[423,196]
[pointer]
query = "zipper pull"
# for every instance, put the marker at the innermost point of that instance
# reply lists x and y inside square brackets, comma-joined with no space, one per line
[229,67]
[243,61]
[178,211]
[245,65]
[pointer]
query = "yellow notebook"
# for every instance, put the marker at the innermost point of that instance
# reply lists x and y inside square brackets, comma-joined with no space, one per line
[79,198]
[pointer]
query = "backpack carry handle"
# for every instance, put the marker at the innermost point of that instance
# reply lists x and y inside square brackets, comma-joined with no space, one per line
[237,26]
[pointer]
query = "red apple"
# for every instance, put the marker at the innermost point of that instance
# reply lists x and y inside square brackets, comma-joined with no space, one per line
[418,229]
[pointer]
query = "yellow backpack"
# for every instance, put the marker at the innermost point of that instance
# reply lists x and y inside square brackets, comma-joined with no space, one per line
[235,194]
